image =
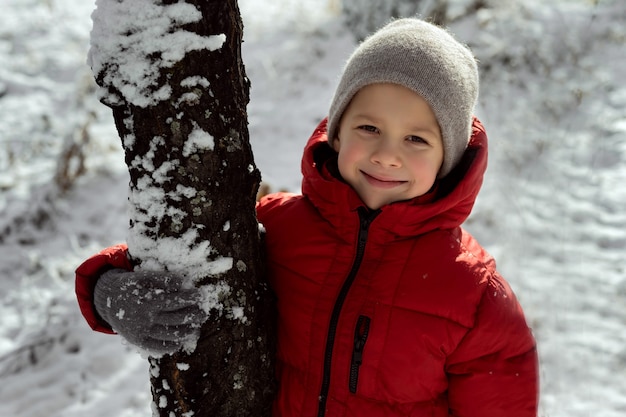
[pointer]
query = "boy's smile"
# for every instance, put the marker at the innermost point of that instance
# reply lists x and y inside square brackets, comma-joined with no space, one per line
[381,181]
[389,144]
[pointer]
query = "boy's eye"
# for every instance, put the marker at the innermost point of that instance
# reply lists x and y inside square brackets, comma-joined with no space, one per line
[417,139]
[369,128]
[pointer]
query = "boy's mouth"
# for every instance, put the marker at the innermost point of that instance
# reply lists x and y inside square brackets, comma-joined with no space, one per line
[381,182]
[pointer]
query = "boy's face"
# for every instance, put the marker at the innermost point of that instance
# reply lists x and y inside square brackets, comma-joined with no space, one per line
[389,144]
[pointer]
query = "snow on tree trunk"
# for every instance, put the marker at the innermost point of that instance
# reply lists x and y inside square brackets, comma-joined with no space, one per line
[172,73]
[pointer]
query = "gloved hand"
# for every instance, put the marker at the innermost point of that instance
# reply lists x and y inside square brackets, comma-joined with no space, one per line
[154,311]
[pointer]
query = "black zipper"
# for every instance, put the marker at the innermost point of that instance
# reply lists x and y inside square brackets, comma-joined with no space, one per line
[360,338]
[365,217]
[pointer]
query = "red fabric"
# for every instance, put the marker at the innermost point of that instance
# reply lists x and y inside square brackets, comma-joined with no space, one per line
[87,275]
[446,336]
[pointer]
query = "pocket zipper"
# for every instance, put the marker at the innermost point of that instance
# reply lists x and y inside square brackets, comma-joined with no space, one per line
[360,337]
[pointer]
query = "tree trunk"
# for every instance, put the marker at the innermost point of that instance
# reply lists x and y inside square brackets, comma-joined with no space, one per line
[183,123]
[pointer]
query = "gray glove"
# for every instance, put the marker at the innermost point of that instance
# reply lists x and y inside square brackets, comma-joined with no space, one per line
[151,310]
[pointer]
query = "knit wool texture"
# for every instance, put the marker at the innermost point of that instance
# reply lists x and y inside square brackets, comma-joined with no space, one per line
[425,59]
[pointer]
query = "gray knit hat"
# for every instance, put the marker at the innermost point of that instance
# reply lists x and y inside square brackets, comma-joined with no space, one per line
[426,59]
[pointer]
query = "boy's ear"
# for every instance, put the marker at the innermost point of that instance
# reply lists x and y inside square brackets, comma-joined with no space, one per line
[335,143]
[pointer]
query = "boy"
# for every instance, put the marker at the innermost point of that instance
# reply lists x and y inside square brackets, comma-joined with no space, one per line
[386,306]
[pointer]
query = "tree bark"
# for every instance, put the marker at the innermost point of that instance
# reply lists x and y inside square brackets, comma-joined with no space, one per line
[208,185]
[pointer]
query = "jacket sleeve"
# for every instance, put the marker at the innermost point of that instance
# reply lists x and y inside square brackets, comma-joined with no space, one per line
[87,275]
[494,370]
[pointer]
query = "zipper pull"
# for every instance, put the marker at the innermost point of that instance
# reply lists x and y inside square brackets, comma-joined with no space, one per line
[366,218]
[360,338]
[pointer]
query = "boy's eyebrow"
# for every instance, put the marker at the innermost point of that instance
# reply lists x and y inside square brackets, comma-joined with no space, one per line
[425,129]
[412,128]
[366,116]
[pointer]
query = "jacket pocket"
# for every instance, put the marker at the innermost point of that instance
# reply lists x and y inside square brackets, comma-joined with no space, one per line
[360,338]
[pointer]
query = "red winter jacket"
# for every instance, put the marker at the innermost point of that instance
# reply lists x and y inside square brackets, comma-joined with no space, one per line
[396,312]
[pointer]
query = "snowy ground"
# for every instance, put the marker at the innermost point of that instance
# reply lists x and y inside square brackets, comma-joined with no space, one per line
[552,209]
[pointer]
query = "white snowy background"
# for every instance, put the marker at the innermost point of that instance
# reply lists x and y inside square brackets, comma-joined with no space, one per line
[552,209]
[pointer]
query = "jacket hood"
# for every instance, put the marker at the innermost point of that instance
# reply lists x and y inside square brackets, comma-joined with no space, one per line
[445,207]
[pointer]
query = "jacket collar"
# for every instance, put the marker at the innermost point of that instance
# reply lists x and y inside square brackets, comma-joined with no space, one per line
[445,207]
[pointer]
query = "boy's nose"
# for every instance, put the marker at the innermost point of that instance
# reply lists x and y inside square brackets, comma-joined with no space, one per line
[386,154]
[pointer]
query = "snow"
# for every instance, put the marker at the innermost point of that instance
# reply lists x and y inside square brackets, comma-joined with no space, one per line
[142,29]
[551,210]
[198,140]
